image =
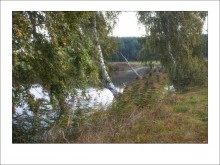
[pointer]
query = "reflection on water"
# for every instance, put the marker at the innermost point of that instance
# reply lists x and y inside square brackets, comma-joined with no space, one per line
[102,99]
[93,98]
[121,78]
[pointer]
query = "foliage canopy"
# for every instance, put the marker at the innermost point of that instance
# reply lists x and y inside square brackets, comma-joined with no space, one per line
[175,36]
[58,51]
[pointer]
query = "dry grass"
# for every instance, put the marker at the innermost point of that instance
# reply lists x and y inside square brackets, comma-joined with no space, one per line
[146,114]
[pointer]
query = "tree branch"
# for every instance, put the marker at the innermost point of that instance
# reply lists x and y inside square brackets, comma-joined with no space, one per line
[130,65]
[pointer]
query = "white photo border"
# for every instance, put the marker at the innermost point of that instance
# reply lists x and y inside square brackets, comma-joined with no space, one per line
[109,153]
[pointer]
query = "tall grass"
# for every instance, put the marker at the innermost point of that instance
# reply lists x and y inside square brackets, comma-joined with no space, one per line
[144,113]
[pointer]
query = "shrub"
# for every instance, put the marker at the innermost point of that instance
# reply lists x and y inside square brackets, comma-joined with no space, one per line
[193,72]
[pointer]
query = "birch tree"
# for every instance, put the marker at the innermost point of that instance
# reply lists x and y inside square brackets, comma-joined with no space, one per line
[107,80]
[61,51]
[174,36]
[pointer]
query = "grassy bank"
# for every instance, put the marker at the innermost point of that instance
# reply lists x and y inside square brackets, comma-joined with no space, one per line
[146,113]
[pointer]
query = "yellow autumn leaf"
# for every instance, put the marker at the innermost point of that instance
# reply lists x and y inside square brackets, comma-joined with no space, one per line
[19,33]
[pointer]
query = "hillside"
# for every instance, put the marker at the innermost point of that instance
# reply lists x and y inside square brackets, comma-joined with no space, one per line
[147,113]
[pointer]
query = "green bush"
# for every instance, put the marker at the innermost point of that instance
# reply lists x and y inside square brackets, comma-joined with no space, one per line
[193,72]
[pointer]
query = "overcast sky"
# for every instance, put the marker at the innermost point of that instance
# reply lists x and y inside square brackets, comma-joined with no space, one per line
[128,26]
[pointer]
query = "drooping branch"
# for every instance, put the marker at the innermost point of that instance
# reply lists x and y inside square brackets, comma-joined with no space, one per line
[130,65]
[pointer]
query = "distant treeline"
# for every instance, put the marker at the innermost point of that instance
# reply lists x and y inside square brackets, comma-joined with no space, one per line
[129,47]
[133,49]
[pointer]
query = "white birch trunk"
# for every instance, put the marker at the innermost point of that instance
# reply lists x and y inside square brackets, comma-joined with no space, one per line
[108,83]
[169,45]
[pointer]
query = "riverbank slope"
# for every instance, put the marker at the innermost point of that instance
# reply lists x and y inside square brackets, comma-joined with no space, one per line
[147,113]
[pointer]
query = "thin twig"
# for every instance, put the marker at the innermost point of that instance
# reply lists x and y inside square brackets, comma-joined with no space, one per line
[129,65]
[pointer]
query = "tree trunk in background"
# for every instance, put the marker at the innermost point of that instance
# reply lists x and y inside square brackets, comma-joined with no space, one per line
[108,83]
[169,45]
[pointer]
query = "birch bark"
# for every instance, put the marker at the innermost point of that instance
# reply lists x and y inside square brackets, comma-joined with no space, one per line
[108,83]
[169,45]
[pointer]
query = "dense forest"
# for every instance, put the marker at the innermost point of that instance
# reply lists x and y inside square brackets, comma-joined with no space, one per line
[134,50]
[57,57]
[129,47]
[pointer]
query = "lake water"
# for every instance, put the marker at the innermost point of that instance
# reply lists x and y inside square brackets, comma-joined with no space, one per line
[121,78]
[93,98]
